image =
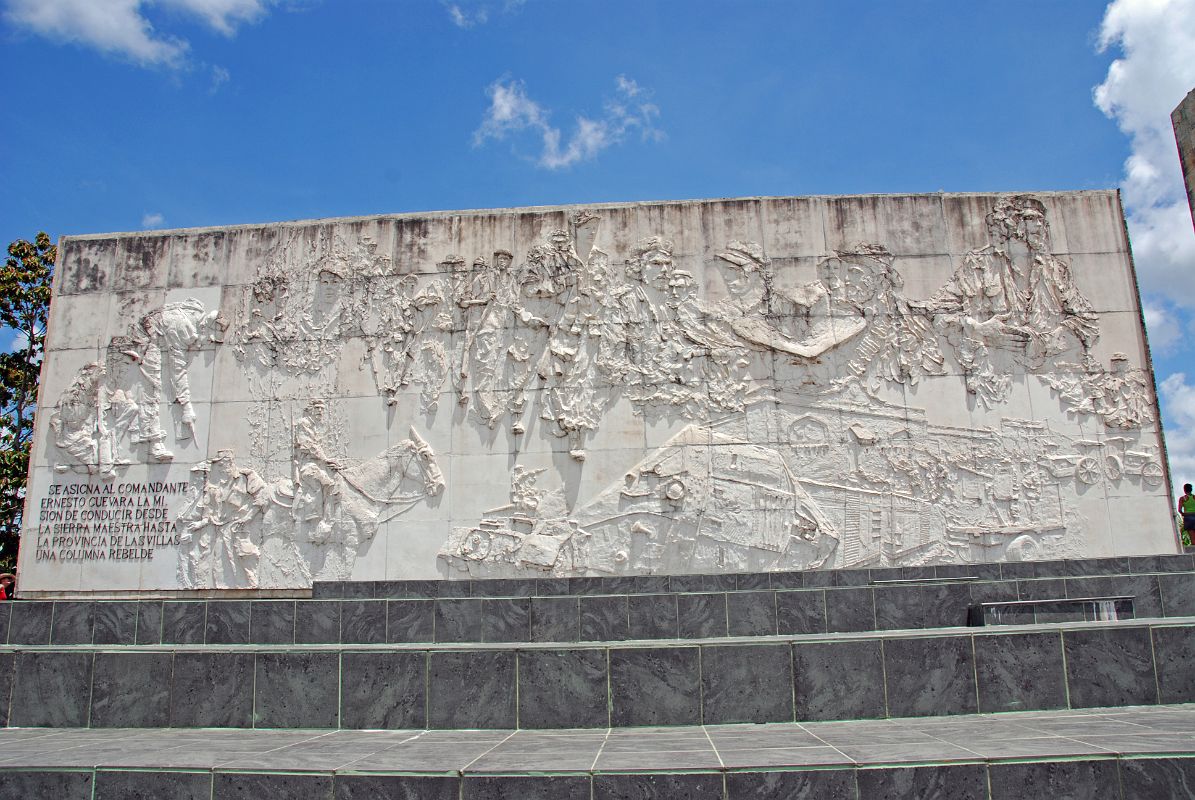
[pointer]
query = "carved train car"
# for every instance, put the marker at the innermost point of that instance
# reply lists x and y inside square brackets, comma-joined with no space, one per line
[882,529]
[707,499]
[701,499]
[704,386]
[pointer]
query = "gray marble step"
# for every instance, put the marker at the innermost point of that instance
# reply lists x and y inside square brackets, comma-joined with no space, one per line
[656,584]
[1112,754]
[693,614]
[596,685]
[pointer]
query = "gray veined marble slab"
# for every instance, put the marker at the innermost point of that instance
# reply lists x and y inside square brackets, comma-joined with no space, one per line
[746,683]
[563,689]
[472,690]
[212,690]
[1020,672]
[272,622]
[1109,667]
[383,690]
[929,679]
[555,619]
[51,690]
[295,690]
[657,686]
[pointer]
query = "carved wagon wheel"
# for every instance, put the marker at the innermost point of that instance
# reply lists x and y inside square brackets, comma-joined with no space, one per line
[476,545]
[1088,470]
[1151,474]
[1114,468]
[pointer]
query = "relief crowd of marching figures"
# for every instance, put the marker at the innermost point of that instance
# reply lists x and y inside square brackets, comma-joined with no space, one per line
[791,456]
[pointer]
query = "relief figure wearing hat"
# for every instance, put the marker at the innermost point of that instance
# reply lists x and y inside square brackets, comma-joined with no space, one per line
[796,320]
[1012,300]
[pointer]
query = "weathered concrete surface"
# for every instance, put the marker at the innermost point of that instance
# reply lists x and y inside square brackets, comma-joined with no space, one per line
[1183,119]
[711,386]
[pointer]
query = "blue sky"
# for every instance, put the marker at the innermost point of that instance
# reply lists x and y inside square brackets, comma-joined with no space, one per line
[130,114]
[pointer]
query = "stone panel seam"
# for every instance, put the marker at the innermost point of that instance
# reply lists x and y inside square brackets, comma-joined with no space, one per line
[12,686]
[884,677]
[775,616]
[170,689]
[792,675]
[975,672]
[1066,676]
[427,686]
[610,704]
[1153,660]
[518,680]
[90,691]
[721,763]
[465,768]
[253,695]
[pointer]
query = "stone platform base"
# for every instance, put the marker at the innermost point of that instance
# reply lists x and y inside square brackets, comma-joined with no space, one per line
[1125,753]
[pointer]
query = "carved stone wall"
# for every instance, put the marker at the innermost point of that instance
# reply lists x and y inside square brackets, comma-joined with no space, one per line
[738,385]
[1183,119]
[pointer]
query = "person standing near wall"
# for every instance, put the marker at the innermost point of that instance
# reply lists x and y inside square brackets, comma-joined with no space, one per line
[1186,507]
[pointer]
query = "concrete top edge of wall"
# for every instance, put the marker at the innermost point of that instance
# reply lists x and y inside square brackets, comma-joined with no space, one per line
[595,205]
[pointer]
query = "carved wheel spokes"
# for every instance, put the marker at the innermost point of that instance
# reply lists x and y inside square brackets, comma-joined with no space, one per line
[1114,468]
[1151,474]
[1088,470]
[476,545]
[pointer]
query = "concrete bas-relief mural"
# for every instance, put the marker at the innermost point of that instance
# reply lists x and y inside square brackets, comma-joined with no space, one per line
[770,384]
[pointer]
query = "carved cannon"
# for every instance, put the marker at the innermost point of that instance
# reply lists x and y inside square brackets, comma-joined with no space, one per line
[1072,465]
[1142,463]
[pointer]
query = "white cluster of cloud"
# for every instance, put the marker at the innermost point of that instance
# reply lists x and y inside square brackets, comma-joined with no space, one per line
[152,219]
[465,17]
[220,76]
[1179,397]
[1165,325]
[1156,70]
[121,28]
[471,13]
[511,111]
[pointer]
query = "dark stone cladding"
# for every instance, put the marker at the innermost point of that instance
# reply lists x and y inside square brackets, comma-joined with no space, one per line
[593,685]
[605,609]
[660,584]
[1110,777]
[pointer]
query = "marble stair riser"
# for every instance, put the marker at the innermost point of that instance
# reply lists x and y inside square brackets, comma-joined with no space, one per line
[1130,778]
[654,584]
[569,618]
[587,686]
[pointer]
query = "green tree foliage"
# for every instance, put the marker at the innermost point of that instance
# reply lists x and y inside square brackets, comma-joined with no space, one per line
[24,303]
